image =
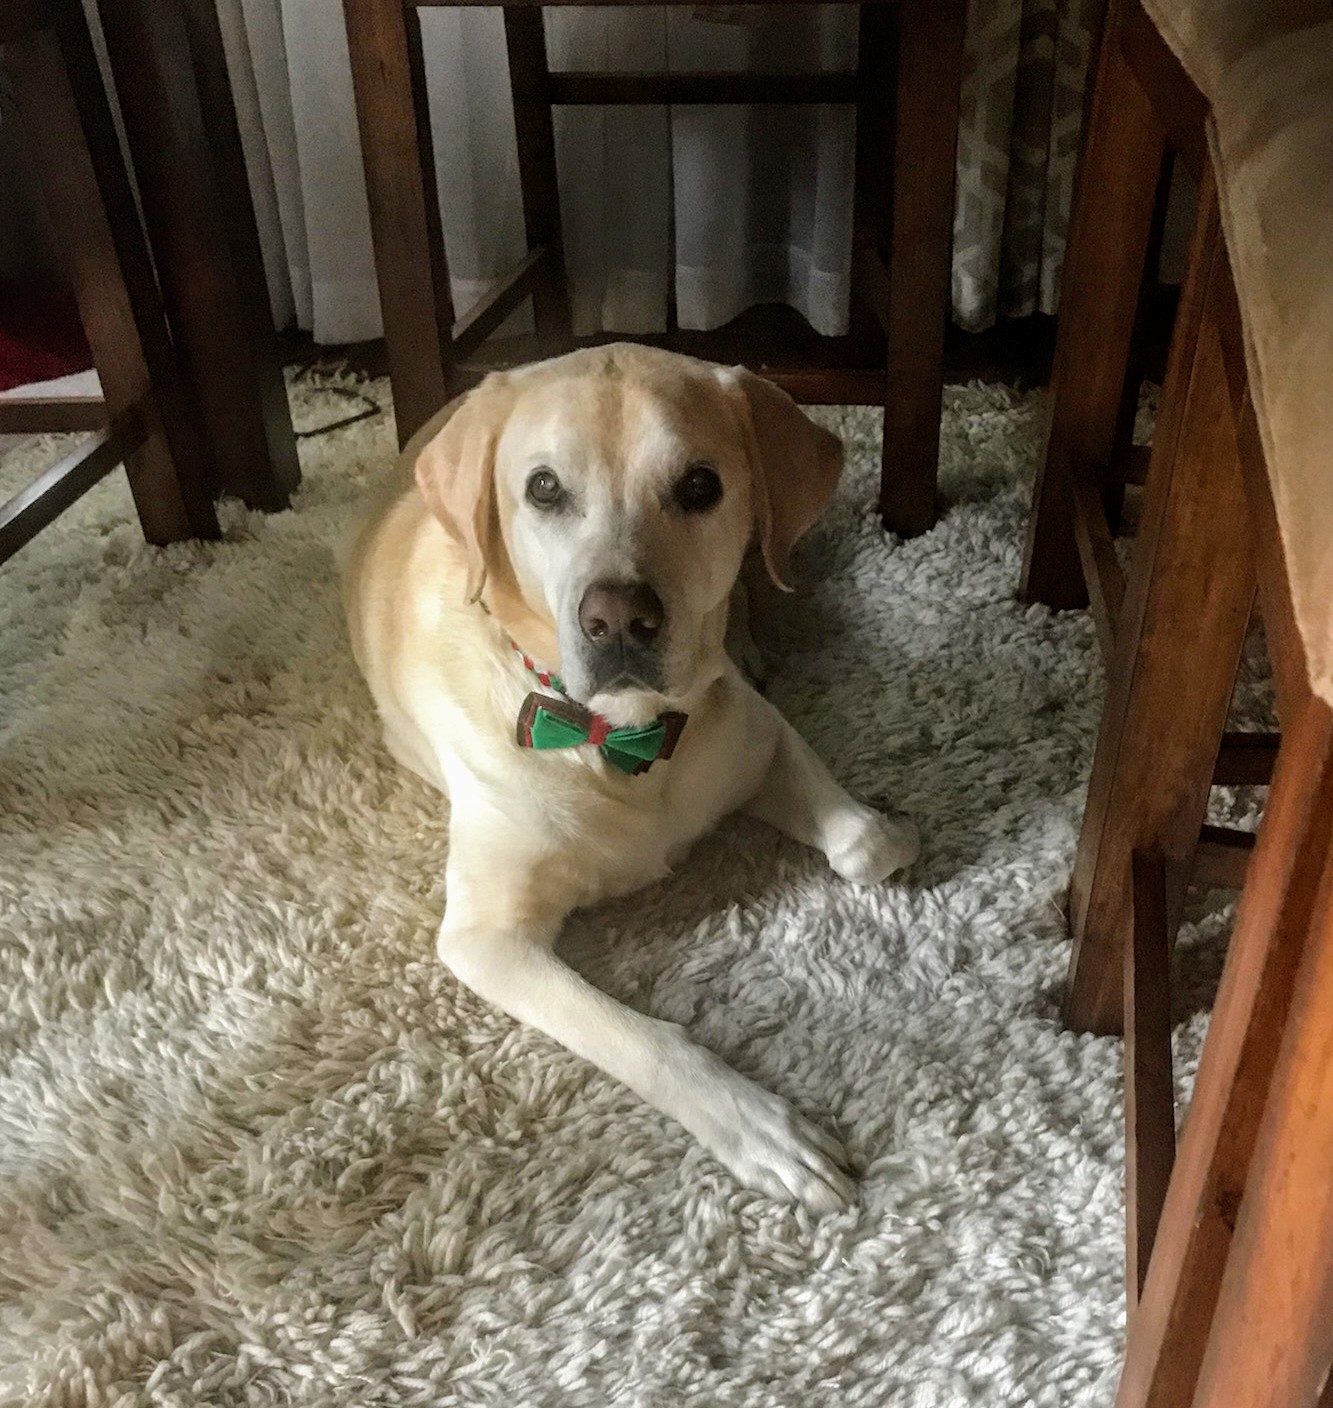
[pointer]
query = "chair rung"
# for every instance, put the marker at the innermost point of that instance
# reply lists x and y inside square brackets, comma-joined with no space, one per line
[1222,858]
[502,296]
[633,89]
[829,386]
[51,493]
[38,415]
[1102,573]
[812,370]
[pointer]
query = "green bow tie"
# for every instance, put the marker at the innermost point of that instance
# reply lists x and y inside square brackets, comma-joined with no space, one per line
[547,722]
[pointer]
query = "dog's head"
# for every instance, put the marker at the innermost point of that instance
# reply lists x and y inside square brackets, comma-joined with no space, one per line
[615,491]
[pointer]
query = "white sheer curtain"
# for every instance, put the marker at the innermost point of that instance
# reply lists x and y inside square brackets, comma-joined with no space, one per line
[762,196]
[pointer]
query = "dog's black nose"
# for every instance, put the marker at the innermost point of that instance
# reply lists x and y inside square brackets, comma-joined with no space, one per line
[621,613]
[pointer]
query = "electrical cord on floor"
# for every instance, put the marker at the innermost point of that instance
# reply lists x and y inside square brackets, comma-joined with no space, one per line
[314,372]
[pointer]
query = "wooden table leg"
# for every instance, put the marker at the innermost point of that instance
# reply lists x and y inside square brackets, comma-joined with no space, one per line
[410,265]
[925,144]
[176,104]
[1109,233]
[1185,613]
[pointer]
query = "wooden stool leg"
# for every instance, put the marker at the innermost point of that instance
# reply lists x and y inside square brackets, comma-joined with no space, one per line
[1271,1344]
[1181,631]
[1169,1331]
[1120,467]
[275,469]
[1150,1108]
[925,142]
[58,88]
[175,100]
[1171,1326]
[415,298]
[534,132]
[1109,232]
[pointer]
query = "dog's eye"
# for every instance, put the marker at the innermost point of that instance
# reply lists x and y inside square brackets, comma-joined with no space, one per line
[698,489]
[544,489]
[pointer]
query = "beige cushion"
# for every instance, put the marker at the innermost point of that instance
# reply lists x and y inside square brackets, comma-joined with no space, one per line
[1267,72]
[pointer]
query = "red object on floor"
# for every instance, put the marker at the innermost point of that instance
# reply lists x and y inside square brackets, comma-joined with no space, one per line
[40,334]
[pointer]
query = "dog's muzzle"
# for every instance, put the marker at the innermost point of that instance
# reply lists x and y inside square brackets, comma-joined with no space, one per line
[623,625]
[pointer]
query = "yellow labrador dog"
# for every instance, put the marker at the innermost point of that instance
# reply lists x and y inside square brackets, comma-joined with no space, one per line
[538,600]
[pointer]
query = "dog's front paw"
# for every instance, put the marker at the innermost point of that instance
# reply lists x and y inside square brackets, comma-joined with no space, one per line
[767,1144]
[873,848]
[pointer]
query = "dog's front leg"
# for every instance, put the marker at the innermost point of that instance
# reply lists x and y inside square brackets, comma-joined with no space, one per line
[756,1134]
[800,797]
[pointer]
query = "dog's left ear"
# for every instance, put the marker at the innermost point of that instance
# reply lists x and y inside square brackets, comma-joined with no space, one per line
[794,465]
[455,471]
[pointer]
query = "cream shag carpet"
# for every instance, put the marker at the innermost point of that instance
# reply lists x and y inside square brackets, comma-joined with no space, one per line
[257,1147]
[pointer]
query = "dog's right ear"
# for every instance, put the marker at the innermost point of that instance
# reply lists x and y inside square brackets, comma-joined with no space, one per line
[455,472]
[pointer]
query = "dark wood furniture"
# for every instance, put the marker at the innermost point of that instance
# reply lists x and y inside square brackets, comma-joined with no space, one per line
[905,90]
[1230,1238]
[1193,557]
[175,101]
[146,419]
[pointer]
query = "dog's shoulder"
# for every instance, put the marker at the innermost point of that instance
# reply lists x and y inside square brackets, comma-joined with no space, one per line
[404,592]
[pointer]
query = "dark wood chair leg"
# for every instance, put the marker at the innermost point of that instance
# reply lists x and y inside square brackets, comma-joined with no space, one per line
[1271,1342]
[58,88]
[876,45]
[1150,1107]
[432,356]
[415,298]
[1109,233]
[1123,463]
[171,81]
[270,433]
[437,288]
[1170,1329]
[534,130]
[925,141]
[1183,623]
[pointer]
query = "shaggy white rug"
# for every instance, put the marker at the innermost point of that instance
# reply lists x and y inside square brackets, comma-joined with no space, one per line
[257,1147]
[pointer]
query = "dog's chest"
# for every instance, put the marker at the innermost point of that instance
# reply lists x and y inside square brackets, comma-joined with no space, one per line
[629,831]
